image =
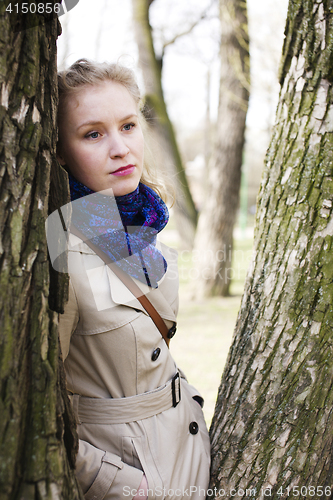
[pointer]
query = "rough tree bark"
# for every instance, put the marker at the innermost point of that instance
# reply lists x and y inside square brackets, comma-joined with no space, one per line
[273,425]
[37,445]
[214,237]
[168,154]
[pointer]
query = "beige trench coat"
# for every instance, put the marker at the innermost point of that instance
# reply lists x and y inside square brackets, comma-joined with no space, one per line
[119,373]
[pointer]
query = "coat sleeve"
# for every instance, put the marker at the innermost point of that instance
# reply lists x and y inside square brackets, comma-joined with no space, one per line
[102,475]
[68,321]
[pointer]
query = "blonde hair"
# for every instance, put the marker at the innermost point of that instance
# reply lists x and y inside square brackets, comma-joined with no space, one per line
[84,72]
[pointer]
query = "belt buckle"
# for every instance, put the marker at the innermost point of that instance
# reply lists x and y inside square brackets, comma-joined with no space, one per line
[175,389]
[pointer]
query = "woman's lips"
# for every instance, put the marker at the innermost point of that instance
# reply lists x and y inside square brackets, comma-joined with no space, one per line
[124,170]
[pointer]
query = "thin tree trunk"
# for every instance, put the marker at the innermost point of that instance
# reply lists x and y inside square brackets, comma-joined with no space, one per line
[164,143]
[273,425]
[208,140]
[214,237]
[37,447]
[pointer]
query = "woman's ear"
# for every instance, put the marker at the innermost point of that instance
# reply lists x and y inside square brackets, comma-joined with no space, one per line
[60,158]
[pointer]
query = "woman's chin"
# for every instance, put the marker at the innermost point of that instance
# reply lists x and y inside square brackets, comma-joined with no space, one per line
[126,188]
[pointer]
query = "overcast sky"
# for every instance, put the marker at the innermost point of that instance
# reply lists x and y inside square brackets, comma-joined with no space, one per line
[102,30]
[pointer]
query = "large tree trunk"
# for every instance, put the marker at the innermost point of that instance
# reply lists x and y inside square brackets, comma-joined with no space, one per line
[164,143]
[273,422]
[214,238]
[37,446]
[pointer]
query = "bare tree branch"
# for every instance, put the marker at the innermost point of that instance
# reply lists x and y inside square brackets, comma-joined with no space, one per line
[189,29]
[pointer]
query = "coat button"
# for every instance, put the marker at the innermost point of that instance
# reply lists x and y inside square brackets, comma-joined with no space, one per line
[193,428]
[172,331]
[155,354]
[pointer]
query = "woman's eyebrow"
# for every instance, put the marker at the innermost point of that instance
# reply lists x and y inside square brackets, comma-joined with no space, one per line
[98,122]
[92,122]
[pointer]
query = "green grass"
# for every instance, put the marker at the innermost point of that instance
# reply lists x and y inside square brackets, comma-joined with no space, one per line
[205,327]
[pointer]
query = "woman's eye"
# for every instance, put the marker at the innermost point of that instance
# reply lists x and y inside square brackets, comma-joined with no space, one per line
[93,135]
[129,126]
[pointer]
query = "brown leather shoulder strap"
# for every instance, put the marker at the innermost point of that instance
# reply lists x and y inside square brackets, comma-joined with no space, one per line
[129,283]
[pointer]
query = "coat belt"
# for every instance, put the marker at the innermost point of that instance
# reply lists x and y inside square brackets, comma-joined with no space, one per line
[129,409]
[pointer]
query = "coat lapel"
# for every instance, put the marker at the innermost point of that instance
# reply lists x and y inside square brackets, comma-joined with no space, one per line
[164,298]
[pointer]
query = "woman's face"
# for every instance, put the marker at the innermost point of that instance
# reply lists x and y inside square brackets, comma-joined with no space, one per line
[100,138]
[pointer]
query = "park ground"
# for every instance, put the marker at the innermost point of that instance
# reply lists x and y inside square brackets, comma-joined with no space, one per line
[205,327]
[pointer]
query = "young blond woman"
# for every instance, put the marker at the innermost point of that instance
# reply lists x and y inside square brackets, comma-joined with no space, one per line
[141,427]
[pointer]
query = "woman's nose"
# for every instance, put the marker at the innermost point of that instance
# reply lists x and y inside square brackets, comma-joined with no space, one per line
[118,148]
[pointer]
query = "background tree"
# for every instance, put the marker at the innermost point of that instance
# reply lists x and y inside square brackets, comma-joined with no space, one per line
[37,447]
[161,127]
[214,239]
[273,422]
